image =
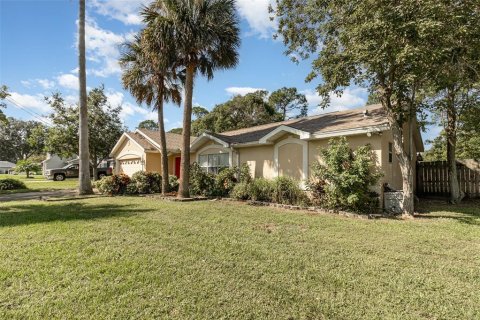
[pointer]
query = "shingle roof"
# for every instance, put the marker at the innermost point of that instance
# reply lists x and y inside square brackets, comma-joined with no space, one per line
[6,164]
[333,121]
[174,140]
[138,138]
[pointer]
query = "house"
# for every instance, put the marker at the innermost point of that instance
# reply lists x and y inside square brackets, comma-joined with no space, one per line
[53,162]
[286,148]
[6,167]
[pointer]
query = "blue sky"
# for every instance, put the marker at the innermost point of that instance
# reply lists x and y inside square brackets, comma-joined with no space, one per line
[38,56]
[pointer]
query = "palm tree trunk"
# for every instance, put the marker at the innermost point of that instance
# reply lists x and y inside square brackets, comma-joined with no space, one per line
[84,183]
[163,138]
[455,193]
[183,190]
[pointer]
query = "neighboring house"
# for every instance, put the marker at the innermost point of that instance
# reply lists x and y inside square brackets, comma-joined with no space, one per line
[6,167]
[54,162]
[286,148]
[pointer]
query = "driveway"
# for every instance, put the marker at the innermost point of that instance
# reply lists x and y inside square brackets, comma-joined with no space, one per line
[36,195]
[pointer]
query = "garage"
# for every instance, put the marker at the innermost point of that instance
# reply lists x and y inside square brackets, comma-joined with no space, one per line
[130,166]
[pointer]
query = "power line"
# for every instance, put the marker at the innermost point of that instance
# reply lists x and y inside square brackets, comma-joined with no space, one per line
[37,116]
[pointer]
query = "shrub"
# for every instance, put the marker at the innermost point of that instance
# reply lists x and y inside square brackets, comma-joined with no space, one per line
[202,183]
[261,190]
[241,191]
[11,184]
[345,178]
[146,182]
[244,173]
[287,191]
[113,185]
[225,180]
[173,183]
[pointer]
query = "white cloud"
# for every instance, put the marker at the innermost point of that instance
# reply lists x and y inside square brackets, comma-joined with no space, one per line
[124,11]
[241,90]
[36,102]
[351,98]
[257,15]
[26,83]
[103,49]
[45,83]
[68,81]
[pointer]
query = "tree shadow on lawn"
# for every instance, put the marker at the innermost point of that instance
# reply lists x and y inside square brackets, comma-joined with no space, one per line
[468,211]
[31,213]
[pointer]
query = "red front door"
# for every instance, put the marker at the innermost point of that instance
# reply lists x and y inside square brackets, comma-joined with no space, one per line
[177,167]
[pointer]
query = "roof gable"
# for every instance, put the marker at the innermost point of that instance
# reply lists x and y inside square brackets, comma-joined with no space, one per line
[174,140]
[6,164]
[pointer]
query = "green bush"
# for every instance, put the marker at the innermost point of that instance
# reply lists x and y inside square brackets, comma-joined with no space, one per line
[146,182]
[202,183]
[244,173]
[113,185]
[173,183]
[225,180]
[261,190]
[241,191]
[287,191]
[344,179]
[11,184]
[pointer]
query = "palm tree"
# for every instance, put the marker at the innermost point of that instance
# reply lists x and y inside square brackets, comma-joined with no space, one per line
[206,38]
[84,183]
[151,80]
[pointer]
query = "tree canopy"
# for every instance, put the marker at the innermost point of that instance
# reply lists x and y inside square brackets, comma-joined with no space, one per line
[16,141]
[287,101]
[105,127]
[3,95]
[239,112]
[148,124]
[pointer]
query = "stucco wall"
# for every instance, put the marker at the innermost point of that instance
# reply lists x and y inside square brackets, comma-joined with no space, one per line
[153,162]
[260,160]
[290,161]
[129,150]
[393,175]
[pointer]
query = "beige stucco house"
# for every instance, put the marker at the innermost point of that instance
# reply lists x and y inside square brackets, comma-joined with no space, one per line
[285,148]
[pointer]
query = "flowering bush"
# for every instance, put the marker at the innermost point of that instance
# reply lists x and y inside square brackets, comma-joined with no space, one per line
[113,185]
[173,183]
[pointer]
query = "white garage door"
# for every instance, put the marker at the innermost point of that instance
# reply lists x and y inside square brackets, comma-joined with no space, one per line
[130,166]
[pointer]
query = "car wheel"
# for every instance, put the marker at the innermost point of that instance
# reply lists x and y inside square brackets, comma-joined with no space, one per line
[101,175]
[59,177]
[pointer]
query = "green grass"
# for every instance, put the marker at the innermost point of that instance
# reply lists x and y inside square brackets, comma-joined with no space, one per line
[39,183]
[132,257]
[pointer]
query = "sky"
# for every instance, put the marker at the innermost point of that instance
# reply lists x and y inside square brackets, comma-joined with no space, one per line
[38,56]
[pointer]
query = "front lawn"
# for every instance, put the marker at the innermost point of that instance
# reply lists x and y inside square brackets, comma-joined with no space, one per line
[134,257]
[39,183]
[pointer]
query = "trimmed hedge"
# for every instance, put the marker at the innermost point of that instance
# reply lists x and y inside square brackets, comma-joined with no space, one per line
[11,184]
[140,183]
[281,190]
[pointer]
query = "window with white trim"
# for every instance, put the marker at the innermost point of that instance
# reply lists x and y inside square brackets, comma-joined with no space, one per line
[214,162]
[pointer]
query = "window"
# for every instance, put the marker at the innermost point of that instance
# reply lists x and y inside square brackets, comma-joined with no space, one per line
[390,152]
[213,162]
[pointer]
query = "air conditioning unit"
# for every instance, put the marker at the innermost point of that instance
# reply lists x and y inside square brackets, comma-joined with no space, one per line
[393,201]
